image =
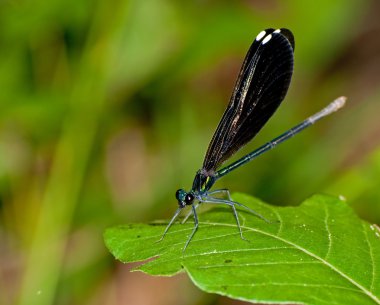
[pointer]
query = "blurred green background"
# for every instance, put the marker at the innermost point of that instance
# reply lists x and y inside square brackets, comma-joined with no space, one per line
[107,107]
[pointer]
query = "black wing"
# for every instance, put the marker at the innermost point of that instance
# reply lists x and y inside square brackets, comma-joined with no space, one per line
[260,88]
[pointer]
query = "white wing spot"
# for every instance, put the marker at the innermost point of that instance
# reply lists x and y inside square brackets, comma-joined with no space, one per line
[261,35]
[277,31]
[342,198]
[266,39]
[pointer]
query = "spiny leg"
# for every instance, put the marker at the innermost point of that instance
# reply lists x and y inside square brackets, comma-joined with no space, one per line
[195,228]
[170,223]
[232,205]
[227,192]
[237,221]
[224,191]
[251,211]
[189,214]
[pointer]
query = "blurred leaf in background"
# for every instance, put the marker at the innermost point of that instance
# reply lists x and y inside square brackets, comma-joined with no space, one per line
[107,107]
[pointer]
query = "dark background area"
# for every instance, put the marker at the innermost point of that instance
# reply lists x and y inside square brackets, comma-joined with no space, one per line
[107,107]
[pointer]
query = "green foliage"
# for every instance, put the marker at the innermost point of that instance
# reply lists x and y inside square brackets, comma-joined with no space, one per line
[317,253]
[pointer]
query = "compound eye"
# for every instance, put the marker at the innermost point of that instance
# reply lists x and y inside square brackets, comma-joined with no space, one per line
[189,199]
[180,194]
[177,194]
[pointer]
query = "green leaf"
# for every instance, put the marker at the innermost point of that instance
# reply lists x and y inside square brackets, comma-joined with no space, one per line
[317,253]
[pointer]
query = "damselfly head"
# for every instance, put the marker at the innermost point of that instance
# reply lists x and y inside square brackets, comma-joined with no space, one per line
[184,198]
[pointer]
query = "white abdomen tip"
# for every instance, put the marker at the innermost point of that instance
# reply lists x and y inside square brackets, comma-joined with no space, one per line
[340,102]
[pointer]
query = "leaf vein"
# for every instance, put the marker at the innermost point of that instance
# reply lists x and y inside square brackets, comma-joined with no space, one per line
[256,264]
[279,220]
[328,233]
[295,284]
[370,250]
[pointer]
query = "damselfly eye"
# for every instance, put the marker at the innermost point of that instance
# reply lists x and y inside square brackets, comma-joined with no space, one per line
[177,194]
[180,194]
[189,199]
